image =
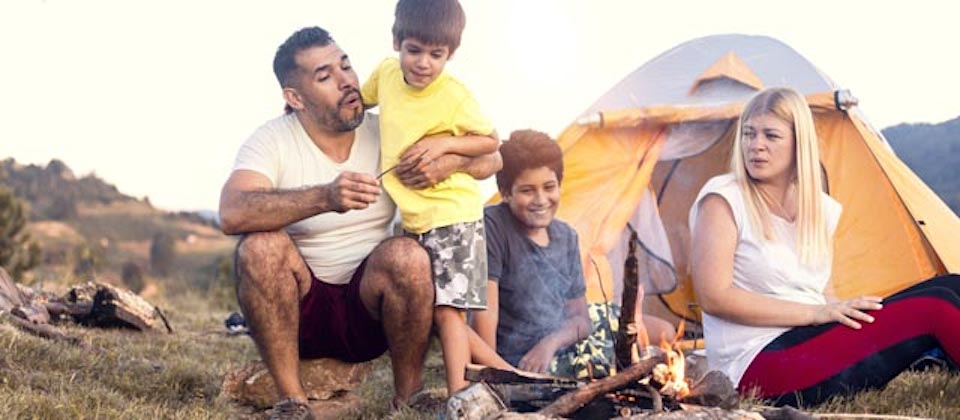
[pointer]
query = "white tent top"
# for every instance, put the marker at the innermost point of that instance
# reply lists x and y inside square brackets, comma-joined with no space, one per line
[669,78]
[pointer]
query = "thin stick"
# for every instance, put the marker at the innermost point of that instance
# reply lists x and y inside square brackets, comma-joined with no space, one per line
[164,318]
[415,162]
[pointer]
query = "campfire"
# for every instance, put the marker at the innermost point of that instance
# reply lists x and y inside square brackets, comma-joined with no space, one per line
[654,380]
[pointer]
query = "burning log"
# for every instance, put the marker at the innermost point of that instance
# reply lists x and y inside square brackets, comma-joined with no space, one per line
[626,337]
[574,400]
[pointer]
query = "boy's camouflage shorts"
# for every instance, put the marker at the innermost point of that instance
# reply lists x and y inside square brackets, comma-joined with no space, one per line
[595,351]
[458,256]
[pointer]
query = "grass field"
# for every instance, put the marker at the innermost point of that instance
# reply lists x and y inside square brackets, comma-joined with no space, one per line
[178,376]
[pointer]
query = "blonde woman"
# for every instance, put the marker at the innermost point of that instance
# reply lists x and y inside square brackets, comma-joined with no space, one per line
[762,251]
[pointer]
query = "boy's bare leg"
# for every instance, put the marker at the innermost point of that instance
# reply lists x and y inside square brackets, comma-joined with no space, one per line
[454,340]
[482,353]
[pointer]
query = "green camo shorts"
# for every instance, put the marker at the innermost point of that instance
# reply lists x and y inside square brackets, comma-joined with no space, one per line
[458,256]
[595,351]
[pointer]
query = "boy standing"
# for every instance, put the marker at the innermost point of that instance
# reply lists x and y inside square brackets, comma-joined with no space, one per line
[417,100]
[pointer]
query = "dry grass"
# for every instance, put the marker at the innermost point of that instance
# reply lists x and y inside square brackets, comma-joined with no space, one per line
[931,394]
[178,376]
[134,375]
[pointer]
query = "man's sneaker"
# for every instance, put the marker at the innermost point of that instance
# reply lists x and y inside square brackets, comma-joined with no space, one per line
[291,409]
[236,324]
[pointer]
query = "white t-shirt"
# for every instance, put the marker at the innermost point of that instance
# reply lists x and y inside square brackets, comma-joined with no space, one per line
[767,268]
[332,244]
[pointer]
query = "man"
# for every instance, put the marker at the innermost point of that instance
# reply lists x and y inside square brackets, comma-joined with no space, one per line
[319,274]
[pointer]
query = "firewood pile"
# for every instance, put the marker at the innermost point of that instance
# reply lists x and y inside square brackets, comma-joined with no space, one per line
[90,304]
[634,392]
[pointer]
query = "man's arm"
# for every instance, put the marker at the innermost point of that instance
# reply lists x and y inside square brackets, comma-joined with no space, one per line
[429,173]
[250,203]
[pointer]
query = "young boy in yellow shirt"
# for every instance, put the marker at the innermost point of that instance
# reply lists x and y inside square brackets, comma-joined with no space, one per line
[417,99]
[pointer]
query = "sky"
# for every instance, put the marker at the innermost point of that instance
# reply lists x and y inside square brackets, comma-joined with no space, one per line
[156,96]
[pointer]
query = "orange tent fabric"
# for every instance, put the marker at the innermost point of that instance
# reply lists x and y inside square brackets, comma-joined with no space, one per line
[894,231]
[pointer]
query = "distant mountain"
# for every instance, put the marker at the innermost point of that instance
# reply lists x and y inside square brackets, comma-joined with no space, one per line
[87,229]
[53,192]
[933,152]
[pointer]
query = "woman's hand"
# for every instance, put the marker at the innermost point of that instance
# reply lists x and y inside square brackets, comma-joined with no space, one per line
[538,358]
[847,312]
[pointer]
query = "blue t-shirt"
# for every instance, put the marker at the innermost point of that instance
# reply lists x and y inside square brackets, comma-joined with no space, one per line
[535,282]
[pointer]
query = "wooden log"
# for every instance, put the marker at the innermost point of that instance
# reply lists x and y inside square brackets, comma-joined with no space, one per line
[32,312]
[711,413]
[574,400]
[113,307]
[43,330]
[520,396]
[76,310]
[626,336]
[10,294]
[490,375]
[790,413]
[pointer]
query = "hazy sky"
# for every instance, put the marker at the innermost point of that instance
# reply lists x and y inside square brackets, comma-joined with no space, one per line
[157,96]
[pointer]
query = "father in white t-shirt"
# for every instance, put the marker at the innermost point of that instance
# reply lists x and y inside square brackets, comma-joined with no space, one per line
[319,273]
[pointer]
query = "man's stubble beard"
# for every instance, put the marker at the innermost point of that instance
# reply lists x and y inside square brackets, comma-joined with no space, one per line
[343,125]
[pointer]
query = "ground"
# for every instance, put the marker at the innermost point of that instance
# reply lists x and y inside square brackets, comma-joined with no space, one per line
[178,376]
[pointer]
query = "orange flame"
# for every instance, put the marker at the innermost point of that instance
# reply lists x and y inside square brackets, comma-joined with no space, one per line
[644,338]
[672,374]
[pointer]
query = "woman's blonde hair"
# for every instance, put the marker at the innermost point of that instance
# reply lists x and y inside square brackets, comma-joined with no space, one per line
[788,105]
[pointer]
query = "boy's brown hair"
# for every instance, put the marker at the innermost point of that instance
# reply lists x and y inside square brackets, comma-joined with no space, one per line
[528,149]
[429,21]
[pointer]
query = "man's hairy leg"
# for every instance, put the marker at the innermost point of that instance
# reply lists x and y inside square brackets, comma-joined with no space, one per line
[272,279]
[397,289]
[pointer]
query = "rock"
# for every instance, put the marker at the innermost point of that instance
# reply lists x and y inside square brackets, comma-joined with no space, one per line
[475,402]
[325,380]
[714,390]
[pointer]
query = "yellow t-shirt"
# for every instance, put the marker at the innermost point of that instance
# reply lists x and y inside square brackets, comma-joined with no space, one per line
[407,115]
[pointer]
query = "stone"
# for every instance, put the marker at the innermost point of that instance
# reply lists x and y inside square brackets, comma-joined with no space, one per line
[327,382]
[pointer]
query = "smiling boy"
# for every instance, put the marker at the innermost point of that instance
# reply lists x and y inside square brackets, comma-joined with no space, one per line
[423,114]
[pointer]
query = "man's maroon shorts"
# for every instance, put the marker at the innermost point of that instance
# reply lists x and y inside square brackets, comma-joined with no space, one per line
[335,324]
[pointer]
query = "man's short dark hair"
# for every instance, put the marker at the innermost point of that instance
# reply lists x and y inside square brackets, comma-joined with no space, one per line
[528,149]
[429,21]
[284,63]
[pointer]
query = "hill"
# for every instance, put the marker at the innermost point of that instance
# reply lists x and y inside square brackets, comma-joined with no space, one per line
[933,152]
[89,230]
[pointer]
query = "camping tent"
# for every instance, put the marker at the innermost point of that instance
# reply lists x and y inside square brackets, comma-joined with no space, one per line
[637,157]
